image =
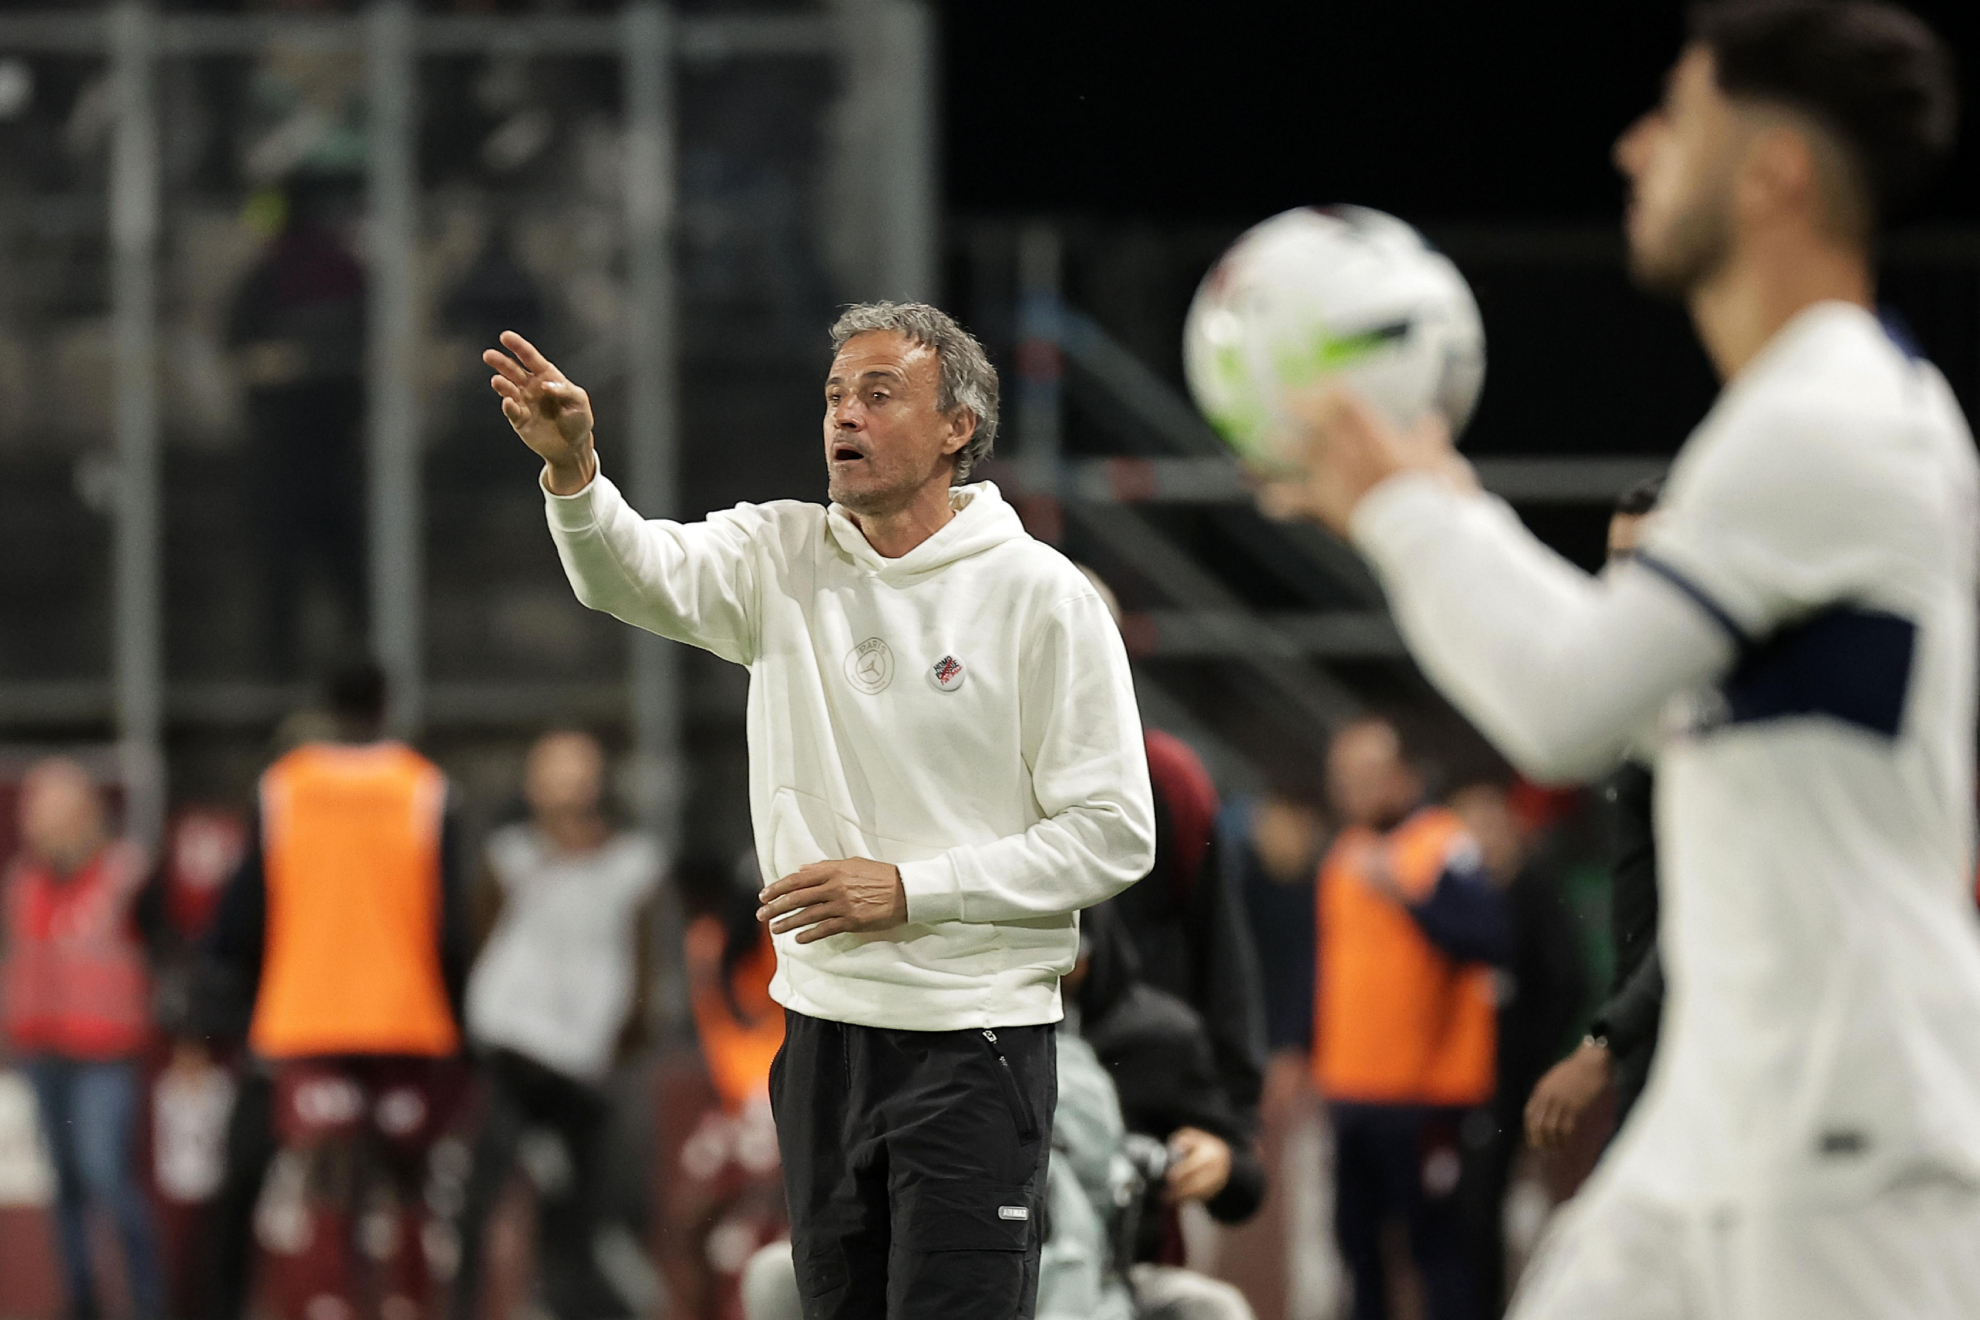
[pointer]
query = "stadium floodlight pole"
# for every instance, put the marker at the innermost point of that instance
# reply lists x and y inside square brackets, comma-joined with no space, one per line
[652,440]
[137,549]
[392,342]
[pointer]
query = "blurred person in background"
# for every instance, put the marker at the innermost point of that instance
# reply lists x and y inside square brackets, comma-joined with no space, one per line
[1269,850]
[1622,1038]
[724,1193]
[1196,1142]
[297,330]
[1405,1037]
[348,921]
[1187,918]
[221,1006]
[77,988]
[1541,996]
[549,1001]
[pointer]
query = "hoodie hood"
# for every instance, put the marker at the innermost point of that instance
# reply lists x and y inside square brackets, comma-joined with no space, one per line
[983,520]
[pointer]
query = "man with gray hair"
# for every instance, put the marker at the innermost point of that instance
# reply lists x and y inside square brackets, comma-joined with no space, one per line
[945,765]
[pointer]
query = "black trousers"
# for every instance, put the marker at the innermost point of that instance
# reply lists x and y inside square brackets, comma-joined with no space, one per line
[914,1166]
[522,1094]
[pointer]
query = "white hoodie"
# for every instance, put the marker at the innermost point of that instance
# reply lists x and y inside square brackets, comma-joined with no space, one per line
[964,711]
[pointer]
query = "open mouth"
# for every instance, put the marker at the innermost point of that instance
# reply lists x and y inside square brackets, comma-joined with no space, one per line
[845,454]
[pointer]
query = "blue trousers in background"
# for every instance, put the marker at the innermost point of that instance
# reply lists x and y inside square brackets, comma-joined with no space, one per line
[1400,1164]
[89,1114]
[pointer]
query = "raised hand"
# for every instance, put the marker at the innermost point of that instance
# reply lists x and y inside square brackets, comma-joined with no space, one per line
[552,416]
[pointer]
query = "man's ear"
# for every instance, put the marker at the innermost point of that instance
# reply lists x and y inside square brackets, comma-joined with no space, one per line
[1781,172]
[962,429]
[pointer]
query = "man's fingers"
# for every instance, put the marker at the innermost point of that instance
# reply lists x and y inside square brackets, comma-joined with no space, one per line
[825,930]
[506,365]
[529,355]
[802,878]
[794,900]
[505,387]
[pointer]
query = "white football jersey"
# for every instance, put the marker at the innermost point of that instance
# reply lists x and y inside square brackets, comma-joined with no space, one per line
[1815,804]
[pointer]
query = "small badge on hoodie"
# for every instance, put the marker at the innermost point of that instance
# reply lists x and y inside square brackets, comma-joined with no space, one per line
[946,674]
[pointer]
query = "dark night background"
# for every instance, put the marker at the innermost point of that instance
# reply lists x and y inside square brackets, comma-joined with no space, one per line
[1437,112]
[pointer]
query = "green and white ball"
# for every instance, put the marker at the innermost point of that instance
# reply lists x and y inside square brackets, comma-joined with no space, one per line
[1336,294]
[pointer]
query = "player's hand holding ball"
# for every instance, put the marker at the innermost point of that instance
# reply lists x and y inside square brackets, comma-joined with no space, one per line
[552,415]
[1332,348]
[1348,448]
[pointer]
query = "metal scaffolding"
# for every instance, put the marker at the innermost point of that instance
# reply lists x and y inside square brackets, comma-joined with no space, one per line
[883,152]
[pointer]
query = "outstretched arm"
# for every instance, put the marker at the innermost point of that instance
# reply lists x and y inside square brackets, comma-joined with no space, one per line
[1558,668]
[692,582]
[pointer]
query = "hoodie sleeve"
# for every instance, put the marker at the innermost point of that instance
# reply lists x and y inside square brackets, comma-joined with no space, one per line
[690,582]
[1089,775]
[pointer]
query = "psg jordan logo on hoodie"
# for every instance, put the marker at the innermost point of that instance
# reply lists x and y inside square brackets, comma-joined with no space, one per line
[870,665]
[946,674]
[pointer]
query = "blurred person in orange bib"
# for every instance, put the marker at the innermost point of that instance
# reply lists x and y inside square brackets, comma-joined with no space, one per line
[548,1003]
[78,992]
[1404,1016]
[349,921]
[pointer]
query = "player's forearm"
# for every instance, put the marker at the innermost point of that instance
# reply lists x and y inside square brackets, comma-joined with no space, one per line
[1559,669]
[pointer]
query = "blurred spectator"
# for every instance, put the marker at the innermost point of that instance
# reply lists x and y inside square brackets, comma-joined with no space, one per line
[548,1002]
[1086,1271]
[77,1016]
[1269,849]
[1186,917]
[1404,1033]
[1541,997]
[347,920]
[190,1106]
[1160,1056]
[298,333]
[1623,1037]
[724,1194]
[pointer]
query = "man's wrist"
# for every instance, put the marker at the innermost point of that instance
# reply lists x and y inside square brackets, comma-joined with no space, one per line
[571,478]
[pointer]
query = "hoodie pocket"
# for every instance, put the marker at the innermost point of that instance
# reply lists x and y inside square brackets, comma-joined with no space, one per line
[805,829]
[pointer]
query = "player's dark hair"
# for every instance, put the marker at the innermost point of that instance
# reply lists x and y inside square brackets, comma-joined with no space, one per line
[1873,74]
[355,696]
[1640,498]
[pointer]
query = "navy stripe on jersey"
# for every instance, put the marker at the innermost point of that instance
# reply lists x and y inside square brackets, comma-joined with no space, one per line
[1848,664]
[1697,594]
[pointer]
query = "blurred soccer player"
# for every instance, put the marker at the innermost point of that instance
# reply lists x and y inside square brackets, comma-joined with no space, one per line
[1404,1031]
[1797,635]
[347,919]
[945,765]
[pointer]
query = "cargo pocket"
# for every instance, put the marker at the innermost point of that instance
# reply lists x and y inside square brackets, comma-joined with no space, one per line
[963,1216]
[1027,1122]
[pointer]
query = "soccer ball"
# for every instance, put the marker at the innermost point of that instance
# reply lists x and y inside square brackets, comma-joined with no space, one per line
[1337,293]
